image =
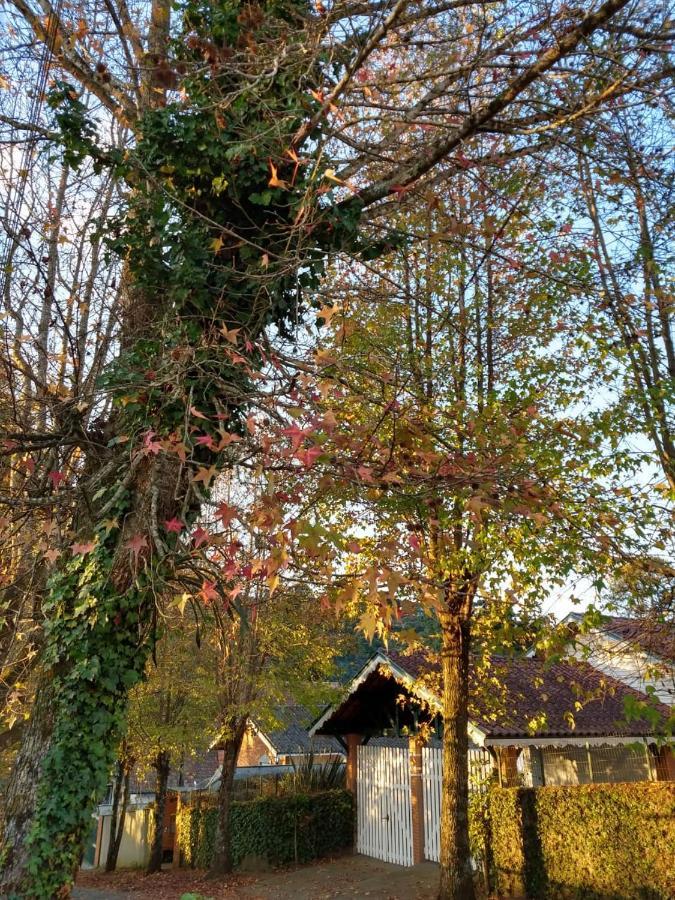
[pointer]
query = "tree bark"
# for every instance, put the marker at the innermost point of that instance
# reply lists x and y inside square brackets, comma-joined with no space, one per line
[21,793]
[222,855]
[119,813]
[455,858]
[162,764]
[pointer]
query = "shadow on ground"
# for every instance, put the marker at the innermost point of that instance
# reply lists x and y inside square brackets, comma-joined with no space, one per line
[348,876]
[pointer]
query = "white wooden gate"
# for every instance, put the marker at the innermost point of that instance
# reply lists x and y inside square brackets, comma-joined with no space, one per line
[384,815]
[480,767]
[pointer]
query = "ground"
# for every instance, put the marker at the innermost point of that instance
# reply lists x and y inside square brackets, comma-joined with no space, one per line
[347,876]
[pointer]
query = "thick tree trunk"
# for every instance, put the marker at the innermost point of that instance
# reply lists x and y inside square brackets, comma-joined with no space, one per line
[222,856]
[119,812]
[20,796]
[162,764]
[456,873]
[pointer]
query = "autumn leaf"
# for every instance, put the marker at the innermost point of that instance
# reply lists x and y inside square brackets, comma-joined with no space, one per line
[81,549]
[56,478]
[230,334]
[327,312]
[296,434]
[200,537]
[217,244]
[275,181]
[136,544]
[205,474]
[226,513]
[52,554]
[208,592]
[174,525]
[196,414]
[308,457]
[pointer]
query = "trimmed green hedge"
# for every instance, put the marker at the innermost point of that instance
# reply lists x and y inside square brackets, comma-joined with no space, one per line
[596,841]
[296,828]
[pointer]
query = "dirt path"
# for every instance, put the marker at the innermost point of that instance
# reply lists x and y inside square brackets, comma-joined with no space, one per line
[348,876]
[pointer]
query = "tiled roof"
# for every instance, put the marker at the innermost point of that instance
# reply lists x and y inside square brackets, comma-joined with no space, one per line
[291,734]
[654,637]
[525,697]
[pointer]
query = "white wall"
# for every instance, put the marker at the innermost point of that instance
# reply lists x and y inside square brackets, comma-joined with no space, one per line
[627,663]
[135,846]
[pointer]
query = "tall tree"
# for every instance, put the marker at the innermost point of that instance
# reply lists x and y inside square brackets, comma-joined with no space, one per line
[241,126]
[475,477]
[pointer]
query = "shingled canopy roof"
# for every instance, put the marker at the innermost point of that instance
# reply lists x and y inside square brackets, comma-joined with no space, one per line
[290,736]
[524,699]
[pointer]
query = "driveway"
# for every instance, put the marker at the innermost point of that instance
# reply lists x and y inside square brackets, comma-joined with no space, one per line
[347,876]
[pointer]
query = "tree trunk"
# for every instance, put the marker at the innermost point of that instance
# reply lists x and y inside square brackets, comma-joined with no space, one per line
[20,796]
[162,764]
[456,873]
[222,857]
[121,792]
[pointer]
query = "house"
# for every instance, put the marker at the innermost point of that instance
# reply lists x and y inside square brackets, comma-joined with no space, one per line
[286,740]
[531,722]
[638,652]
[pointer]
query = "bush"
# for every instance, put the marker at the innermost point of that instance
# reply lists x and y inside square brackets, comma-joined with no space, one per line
[596,841]
[280,830]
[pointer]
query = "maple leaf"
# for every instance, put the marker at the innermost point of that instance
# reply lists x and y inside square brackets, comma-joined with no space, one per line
[217,244]
[365,473]
[205,475]
[208,592]
[135,544]
[81,549]
[200,536]
[227,438]
[226,513]
[296,434]
[56,478]
[196,414]
[250,425]
[230,334]
[109,524]
[205,440]
[308,457]
[174,525]
[150,445]
[236,590]
[327,312]
[52,554]
[275,181]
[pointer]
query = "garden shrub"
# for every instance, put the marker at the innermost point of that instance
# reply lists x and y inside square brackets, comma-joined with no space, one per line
[596,841]
[296,828]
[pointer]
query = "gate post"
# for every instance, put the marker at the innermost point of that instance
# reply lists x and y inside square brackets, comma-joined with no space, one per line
[416,799]
[353,741]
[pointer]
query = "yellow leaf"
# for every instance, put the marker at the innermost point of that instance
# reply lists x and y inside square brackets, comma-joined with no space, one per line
[275,181]
[217,244]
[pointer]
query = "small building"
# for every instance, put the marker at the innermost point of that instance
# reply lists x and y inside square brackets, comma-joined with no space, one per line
[286,740]
[638,652]
[531,723]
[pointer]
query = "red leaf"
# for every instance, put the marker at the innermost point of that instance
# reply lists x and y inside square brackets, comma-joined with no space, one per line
[208,593]
[200,537]
[197,415]
[82,549]
[137,543]
[150,445]
[56,478]
[174,525]
[226,513]
[308,457]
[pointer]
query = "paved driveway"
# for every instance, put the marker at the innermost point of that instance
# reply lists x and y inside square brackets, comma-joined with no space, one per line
[348,876]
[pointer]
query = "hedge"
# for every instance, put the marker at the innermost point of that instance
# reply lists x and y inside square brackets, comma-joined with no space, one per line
[597,842]
[280,830]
